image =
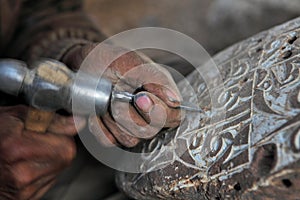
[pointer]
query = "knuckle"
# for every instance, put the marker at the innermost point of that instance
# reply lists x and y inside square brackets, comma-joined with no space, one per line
[128,60]
[18,111]
[20,108]
[130,143]
[132,138]
[133,57]
[173,123]
[107,142]
[10,148]
[13,124]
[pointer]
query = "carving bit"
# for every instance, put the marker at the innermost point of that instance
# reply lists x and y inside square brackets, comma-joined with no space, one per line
[128,97]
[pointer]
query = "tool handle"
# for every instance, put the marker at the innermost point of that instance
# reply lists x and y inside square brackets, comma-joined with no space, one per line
[38,120]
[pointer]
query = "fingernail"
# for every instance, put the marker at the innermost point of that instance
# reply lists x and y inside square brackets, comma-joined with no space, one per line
[143,102]
[172,96]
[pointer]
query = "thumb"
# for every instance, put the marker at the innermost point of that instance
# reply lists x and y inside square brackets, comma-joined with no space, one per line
[169,94]
[75,56]
[155,111]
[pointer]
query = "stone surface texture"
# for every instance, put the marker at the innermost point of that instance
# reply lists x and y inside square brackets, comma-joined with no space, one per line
[254,153]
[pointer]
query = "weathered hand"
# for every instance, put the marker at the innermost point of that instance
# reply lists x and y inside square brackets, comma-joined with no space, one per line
[154,107]
[30,161]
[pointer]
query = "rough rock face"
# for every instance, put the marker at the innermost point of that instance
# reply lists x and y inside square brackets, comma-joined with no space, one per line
[255,152]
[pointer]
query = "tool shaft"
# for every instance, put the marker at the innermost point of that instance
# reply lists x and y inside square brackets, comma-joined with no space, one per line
[122,96]
[50,86]
[12,73]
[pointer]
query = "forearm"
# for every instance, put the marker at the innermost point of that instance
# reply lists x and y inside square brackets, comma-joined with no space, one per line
[52,29]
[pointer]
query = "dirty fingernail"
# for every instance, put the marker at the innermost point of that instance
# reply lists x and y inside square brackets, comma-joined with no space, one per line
[172,96]
[143,102]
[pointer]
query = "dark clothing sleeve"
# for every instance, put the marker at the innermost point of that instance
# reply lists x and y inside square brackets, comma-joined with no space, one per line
[9,13]
[48,28]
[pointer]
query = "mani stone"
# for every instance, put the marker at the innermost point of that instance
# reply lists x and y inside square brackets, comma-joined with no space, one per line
[252,153]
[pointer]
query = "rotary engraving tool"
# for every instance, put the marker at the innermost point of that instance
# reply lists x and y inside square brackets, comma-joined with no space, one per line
[49,85]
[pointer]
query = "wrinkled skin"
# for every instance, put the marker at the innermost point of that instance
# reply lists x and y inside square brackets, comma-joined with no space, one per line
[30,161]
[155,103]
[254,152]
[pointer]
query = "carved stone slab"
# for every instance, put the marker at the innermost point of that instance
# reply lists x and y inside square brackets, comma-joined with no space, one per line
[255,154]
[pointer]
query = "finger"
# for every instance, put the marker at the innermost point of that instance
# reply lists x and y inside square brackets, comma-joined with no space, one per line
[66,125]
[37,187]
[25,173]
[14,117]
[101,58]
[13,127]
[120,133]
[152,78]
[39,147]
[59,125]
[168,93]
[43,190]
[158,113]
[100,131]
[127,117]
[59,148]
[75,56]
[19,111]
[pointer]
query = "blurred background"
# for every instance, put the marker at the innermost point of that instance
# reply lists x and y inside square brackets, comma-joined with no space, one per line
[215,24]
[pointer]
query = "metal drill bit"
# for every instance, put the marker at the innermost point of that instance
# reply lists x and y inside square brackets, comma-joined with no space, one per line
[128,97]
[122,96]
[189,108]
